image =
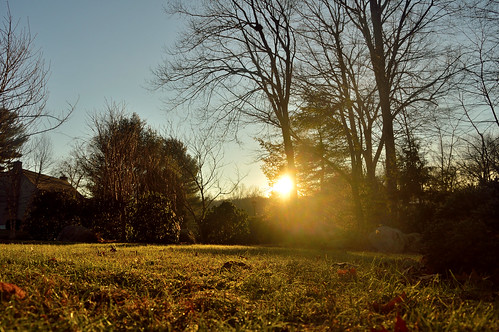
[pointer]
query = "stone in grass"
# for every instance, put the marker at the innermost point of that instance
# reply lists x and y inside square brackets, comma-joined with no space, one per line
[388,239]
[8,290]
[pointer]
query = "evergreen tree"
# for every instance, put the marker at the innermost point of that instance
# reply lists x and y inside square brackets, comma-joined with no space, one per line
[12,137]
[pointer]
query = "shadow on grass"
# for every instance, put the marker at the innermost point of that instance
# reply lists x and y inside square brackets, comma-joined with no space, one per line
[359,257]
[241,251]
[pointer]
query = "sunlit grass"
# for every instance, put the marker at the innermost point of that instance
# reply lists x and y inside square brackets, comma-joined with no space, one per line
[89,287]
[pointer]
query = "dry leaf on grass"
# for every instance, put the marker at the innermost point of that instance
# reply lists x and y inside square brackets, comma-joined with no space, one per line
[347,274]
[399,326]
[389,306]
[8,290]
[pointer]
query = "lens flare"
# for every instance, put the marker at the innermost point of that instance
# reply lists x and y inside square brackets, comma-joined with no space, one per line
[283,186]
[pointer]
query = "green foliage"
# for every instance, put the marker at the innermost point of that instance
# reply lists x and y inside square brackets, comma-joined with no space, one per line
[105,216]
[50,212]
[413,171]
[225,224]
[187,236]
[12,136]
[152,220]
[127,160]
[264,231]
[464,234]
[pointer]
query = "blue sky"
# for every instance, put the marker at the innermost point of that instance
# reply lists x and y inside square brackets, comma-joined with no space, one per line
[100,50]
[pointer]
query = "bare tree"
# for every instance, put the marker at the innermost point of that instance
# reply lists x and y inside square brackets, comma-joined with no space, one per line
[478,85]
[72,168]
[38,154]
[337,78]
[23,93]
[480,161]
[239,56]
[384,44]
[207,178]
[446,136]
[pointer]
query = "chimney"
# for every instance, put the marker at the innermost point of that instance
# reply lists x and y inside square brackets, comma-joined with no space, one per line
[17,167]
[63,178]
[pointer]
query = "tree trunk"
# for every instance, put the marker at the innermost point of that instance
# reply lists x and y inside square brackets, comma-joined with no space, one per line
[15,193]
[383,84]
[290,157]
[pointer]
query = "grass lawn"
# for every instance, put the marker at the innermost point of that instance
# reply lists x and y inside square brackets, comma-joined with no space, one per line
[85,287]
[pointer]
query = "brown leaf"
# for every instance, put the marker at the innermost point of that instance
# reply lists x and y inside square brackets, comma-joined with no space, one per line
[347,274]
[400,325]
[389,306]
[8,290]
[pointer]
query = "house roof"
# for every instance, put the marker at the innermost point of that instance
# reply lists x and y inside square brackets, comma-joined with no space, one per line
[48,183]
[45,182]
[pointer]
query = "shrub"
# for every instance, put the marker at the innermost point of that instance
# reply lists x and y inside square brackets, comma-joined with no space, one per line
[105,216]
[464,234]
[263,231]
[187,236]
[151,219]
[225,224]
[50,212]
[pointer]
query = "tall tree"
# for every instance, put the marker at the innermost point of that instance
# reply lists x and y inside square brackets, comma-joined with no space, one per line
[478,37]
[240,56]
[384,44]
[320,149]
[126,159]
[23,93]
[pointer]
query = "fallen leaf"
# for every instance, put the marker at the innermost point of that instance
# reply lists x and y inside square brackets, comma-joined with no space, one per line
[342,272]
[347,274]
[389,306]
[8,290]
[400,325]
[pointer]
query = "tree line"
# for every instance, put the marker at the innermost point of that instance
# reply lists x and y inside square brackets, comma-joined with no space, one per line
[372,106]
[393,97]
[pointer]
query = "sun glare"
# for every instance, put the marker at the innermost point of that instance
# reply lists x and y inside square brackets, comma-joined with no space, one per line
[283,186]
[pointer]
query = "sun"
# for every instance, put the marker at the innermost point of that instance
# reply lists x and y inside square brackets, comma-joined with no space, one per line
[283,186]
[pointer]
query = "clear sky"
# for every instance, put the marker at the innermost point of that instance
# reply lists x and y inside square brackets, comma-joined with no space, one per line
[100,50]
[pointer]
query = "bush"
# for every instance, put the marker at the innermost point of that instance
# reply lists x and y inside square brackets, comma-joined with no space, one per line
[50,212]
[464,234]
[105,216]
[263,231]
[151,219]
[187,236]
[225,224]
